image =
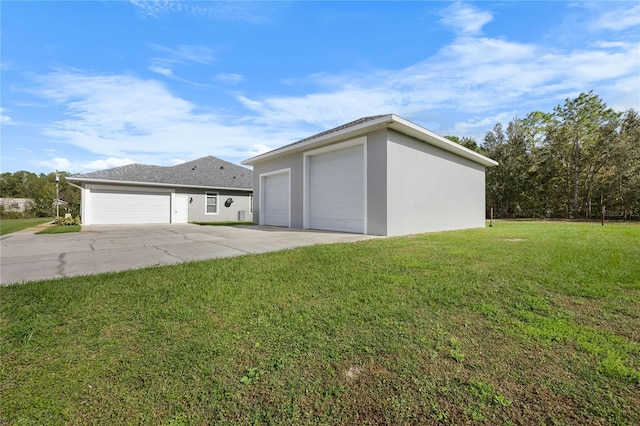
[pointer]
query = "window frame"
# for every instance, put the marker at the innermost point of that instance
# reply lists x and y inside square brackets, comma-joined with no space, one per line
[208,195]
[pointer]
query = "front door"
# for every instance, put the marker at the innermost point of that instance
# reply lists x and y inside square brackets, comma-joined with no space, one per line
[180,208]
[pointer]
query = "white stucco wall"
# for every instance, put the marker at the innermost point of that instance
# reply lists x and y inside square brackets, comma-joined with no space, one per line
[429,189]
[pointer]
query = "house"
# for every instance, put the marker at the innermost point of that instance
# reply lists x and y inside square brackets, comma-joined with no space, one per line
[17,205]
[380,175]
[203,190]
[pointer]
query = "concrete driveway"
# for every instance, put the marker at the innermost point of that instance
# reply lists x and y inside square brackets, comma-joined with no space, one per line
[27,257]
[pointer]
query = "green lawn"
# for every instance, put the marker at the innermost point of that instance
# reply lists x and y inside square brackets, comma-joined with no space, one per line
[522,323]
[7,226]
[62,229]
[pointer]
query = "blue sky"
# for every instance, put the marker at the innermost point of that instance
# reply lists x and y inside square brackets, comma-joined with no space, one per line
[93,85]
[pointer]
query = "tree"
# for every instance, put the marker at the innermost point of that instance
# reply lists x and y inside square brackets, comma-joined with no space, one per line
[575,131]
[466,142]
[42,190]
[509,186]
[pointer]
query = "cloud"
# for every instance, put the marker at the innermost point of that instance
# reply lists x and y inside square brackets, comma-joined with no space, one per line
[115,115]
[228,78]
[4,118]
[56,163]
[470,76]
[107,163]
[618,19]
[162,71]
[185,53]
[255,12]
[464,18]
[475,127]
[463,89]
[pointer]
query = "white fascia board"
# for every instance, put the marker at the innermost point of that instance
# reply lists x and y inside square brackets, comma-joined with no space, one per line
[161,185]
[408,128]
[349,132]
[391,121]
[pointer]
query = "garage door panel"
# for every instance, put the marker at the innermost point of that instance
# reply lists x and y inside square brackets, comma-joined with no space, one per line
[337,190]
[129,207]
[275,195]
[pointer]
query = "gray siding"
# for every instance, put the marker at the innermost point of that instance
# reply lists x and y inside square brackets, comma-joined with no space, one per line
[293,162]
[377,183]
[412,186]
[429,189]
[197,205]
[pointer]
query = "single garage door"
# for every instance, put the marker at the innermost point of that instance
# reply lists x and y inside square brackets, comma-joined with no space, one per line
[275,199]
[129,207]
[336,190]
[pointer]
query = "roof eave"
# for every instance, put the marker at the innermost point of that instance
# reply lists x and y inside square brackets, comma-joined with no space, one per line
[162,185]
[425,135]
[391,121]
[325,139]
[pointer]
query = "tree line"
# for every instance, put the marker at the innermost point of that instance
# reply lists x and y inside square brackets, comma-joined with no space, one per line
[41,190]
[572,162]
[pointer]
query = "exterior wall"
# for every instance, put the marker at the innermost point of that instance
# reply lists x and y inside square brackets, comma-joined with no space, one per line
[196,213]
[429,189]
[197,205]
[377,183]
[412,186]
[295,163]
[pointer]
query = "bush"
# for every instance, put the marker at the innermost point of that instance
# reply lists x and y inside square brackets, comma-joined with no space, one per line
[66,221]
[11,215]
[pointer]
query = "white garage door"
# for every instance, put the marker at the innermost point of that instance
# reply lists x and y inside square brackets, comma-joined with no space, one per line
[275,199]
[129,207]
[336,190]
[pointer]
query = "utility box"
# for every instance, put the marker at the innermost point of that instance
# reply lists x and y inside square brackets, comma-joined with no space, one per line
[241,216]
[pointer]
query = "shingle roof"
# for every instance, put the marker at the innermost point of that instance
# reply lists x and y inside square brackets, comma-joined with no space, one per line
[208,172]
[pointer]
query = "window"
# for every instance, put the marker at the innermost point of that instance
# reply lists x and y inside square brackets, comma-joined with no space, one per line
[212,203]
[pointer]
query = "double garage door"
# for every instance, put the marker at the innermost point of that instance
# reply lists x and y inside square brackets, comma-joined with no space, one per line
[129,207]
[335,188]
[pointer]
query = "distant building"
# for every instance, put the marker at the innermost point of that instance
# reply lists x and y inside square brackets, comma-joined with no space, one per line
[17,205]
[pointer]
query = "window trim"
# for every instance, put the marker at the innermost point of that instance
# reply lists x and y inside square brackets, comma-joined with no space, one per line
[206,199]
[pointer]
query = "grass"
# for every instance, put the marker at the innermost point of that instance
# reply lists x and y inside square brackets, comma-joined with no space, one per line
[61,229]
[7,226]
[223,223]
[523,323]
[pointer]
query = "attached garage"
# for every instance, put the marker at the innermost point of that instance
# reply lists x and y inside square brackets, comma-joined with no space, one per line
[109,206]
[275,193]
[336,188]
[204,190]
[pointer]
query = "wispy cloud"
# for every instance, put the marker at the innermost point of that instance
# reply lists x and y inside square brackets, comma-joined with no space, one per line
[464,18]
[56,163]
[4,118]
[181,55]
[113,116]
[244,11]
[185,53]
[463,89]
[471,75]
[228,78]
[618,18]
